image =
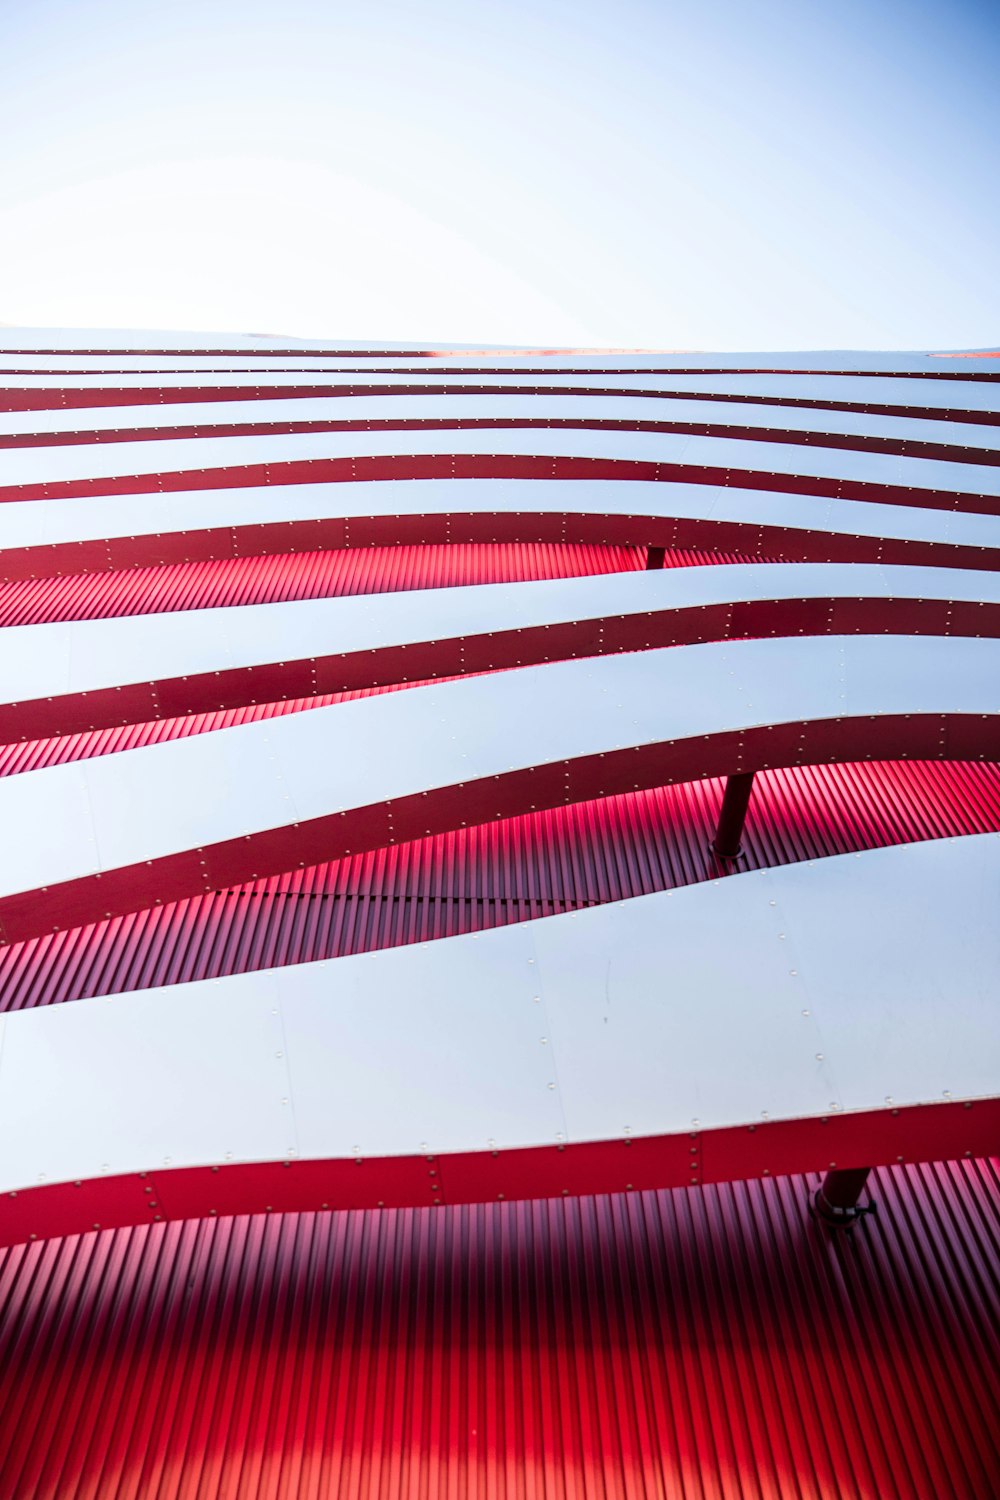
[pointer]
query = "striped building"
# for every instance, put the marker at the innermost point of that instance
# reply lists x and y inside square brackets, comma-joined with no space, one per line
[498,922]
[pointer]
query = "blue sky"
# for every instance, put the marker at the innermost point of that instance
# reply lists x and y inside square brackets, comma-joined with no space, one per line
[711,175]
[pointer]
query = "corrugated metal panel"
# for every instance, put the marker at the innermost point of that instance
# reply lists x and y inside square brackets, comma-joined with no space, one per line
[319,575]
[683,1345]
[34,755]
[508,871]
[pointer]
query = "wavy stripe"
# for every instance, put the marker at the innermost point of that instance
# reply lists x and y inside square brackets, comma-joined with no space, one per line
[569,858]
[276,578]
[853,442]
[99,837]
[81,392]
[615,411]
[67,678]
[573,1061]
[199,463]
[614,505]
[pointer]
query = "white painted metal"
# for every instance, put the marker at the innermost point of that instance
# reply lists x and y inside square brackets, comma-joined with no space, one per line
[841,985]
[552,406]
[41,523]
[49,348]
[633,1019]
[873,391]
[42,661]
[146,804]
[55,465]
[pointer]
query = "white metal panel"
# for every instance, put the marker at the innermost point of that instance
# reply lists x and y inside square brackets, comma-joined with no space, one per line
[706,985]
[400,1051]
[145,804]
[87,655]
[406,406]
[41,835]
[920,1000]
[126,1084]
[854,982]
[60,464]
[40,523]
[858,982]
[872,391]
[54,345]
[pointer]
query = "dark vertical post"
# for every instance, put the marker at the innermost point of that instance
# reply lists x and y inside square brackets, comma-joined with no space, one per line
[836,1202]
[654,557]
[732,814]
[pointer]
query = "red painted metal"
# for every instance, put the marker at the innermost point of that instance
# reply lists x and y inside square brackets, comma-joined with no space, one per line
[732,815]
[446,527]
[171,877]
[931,1132]
[445,465]
[737,539]
[418,662]
[817,438]
[60,398]
[743,540]
[72,398]
[696,1344]
[273,578]
[505,871]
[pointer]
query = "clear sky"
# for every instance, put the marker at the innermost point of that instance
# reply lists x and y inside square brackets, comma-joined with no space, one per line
[691,174]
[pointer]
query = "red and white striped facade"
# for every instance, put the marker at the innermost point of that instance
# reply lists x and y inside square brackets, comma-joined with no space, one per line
[366,716]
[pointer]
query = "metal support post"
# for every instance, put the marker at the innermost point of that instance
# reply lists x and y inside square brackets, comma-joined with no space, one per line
[654,557]
[732,814]
[836,1202]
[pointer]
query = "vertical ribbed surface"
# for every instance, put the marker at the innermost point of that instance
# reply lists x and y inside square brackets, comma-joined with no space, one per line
[312,575]
[690,1344]
[319,575]
[508,871]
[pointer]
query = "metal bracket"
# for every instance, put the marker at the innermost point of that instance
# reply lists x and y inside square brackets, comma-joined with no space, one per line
[835,1203]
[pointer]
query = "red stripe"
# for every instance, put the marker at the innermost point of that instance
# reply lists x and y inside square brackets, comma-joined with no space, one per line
[930,1132]
[496,466]
[58,398]
[795,437]
[746,539]
[490,875]
[270,851]
[343,672]
[273,578]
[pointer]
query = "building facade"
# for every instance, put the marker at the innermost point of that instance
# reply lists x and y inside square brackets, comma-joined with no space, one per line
[499,845]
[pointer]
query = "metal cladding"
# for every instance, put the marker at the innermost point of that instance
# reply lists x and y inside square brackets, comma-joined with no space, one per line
[366,717]
[560,1043]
